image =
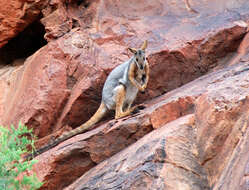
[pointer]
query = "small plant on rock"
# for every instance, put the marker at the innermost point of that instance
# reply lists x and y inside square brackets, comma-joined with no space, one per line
[13,143]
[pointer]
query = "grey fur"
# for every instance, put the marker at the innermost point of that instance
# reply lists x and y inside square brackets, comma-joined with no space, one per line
[119,76]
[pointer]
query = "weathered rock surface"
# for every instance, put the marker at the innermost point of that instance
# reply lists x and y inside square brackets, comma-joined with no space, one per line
[84,151]
[59,88]
[211,99]
[15,16]
[69,72]
[164,159]
[58,17]
[235,174]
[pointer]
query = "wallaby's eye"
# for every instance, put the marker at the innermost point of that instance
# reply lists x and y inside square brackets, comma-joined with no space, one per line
[137,59]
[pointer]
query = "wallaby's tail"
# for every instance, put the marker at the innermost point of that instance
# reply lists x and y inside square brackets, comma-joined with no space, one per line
[94,119]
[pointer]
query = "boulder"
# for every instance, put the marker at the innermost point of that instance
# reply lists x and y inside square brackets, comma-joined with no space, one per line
[61,83]
[196,101]
[217,109]
[167,158]
[15,16]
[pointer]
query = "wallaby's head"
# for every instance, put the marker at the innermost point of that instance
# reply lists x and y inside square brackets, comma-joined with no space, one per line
[139,55]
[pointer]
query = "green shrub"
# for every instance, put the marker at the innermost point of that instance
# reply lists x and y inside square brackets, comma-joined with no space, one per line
[13,143]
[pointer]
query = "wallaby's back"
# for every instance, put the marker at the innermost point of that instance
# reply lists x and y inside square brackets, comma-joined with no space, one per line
[118,76]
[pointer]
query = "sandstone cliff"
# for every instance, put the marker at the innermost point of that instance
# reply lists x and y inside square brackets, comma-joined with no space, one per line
[194,132]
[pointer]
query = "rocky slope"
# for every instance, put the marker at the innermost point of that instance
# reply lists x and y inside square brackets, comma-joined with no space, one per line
[193,133]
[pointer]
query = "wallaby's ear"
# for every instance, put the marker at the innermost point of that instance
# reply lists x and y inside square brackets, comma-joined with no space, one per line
[144,46]
[133,50]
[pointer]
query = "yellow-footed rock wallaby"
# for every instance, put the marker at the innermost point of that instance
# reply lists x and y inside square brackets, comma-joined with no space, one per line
[119,92]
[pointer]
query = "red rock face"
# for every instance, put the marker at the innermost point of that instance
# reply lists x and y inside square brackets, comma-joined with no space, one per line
[218,120]
[86,57]
[203,124]
[16,16]
[152,163]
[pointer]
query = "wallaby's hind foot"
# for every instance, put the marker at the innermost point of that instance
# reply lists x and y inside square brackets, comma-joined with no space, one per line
[126,113]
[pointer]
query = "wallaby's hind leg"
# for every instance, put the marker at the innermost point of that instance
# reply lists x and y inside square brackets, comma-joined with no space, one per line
[120,98]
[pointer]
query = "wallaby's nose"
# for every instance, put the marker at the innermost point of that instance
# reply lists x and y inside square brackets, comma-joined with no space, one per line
[141,67]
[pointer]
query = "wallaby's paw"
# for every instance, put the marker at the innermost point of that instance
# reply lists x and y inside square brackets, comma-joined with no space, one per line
[124,114]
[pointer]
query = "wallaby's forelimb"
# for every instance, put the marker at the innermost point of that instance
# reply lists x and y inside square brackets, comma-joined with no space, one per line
[132,77]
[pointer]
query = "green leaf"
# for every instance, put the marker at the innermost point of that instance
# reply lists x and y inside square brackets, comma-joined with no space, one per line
[13,143]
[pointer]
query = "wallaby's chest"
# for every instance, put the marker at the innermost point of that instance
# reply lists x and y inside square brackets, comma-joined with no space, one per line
[140,74]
